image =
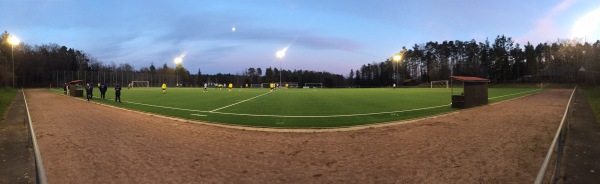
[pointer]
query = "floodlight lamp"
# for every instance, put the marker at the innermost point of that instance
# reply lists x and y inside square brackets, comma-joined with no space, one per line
[13,40]
[397,57]
[178,60]
[280,54]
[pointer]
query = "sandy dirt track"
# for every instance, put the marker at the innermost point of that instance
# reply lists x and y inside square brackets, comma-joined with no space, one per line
[84,142]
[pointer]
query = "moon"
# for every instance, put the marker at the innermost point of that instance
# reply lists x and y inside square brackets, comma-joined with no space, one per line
[587,26]
[232,29]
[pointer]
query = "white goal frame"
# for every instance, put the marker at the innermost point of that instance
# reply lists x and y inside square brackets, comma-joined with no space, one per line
[133,84]
[439,84]
[314,85]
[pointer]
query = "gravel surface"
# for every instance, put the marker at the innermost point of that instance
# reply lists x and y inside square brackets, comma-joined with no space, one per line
[84,142]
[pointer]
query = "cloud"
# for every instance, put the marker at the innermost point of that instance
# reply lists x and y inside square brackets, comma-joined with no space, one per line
[544,29]
[321,43]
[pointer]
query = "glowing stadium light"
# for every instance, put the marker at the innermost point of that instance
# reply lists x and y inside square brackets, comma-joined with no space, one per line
[280,54]
[177,61]
[13,40]
[397,57]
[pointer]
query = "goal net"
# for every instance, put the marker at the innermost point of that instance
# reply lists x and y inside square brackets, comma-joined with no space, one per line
[313,85]
[256,86]
[439,84]
[137,84]
[291,84]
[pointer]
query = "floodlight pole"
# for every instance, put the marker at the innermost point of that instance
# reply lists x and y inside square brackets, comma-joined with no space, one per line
[280,54]
[13,41]
[396,72]
[396,59]
[12,50]
[280,71]
[177,62]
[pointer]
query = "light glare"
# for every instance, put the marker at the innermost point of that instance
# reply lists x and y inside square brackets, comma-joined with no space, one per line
[587,26]
[281,53]
[13,40]
[397,57]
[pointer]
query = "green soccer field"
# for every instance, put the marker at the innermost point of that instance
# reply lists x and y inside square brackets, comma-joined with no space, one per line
[296,108]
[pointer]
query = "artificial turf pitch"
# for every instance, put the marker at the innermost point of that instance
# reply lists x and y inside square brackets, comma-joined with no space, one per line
[296,108]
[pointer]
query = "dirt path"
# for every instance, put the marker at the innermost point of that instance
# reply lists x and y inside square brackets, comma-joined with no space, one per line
[502,143]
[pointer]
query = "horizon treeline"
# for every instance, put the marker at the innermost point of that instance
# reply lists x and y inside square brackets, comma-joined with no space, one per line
[500,61]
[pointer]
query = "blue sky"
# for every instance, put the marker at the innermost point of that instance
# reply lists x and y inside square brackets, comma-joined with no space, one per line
[322,35]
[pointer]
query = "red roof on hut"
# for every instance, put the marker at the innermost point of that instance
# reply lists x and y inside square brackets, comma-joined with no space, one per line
[470,79]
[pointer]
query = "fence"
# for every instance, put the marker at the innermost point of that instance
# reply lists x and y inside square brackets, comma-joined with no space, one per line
[111,78]
[40,173]
[557,146]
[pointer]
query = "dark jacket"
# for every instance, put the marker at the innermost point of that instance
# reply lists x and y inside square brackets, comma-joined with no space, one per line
[89,89]
[103,88]
[118,90]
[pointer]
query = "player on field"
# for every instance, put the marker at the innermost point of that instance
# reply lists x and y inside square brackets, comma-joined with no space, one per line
[287,85]
[205,85]
[164,87]
[272,86]
[230,86]
[394,86]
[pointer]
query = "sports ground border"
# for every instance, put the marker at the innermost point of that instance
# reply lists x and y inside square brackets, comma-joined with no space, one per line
[302,130]
[345,162]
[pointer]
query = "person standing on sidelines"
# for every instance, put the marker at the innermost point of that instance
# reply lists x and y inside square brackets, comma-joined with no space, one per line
[205,85]
[118,93]
[164,87]
[65,88]
[89,89]
[103,89]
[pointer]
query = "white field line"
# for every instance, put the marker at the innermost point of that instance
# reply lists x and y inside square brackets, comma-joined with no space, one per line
[284,116]
[281,116]
[159,106]
[514,94]
[239,102]
[328,116]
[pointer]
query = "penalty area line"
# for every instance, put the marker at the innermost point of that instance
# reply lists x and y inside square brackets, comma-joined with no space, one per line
[239,102]
[329,116]
[175,108]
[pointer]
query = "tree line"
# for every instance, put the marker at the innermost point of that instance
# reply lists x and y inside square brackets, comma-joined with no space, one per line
[41,65]
[501,61]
